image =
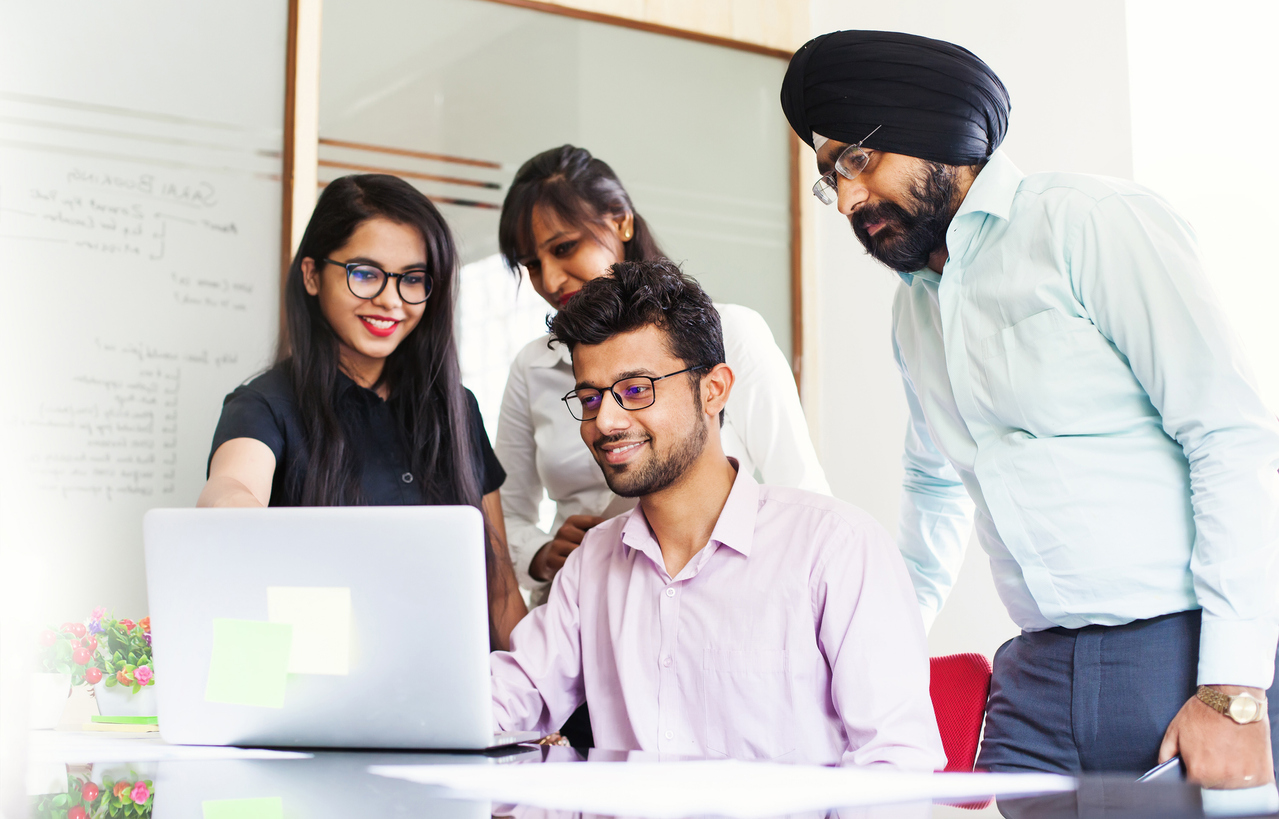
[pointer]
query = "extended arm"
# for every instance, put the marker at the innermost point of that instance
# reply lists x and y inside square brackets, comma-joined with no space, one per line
[240,474]
[936,514]
[506,604]
[1136,269]
[538,683]
[516,448]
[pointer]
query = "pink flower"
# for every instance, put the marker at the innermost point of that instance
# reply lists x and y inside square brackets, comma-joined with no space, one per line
[98,613]
[142,674]
[140,793]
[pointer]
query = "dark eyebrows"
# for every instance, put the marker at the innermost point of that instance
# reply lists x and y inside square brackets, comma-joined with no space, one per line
[552,239]
[644,371]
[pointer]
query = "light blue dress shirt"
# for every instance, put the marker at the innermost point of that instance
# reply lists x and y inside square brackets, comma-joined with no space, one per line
[1072,381]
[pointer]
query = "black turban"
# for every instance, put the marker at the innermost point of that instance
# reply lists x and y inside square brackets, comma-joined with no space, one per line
[935,100]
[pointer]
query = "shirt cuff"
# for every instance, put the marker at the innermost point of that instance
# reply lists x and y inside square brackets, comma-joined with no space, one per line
[1237,652]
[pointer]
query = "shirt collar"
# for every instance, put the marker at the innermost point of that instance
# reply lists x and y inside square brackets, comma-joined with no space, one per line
[735,527]
[992,193]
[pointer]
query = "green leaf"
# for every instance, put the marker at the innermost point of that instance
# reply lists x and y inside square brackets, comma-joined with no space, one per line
[136,688]
[64,668]
[60,800]
[109,681]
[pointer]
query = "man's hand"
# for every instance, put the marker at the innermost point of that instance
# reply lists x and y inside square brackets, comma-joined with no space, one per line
[1218,752]
[550,558]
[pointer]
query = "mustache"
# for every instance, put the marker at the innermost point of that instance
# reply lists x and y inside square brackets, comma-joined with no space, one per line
[616,438]
[890,213]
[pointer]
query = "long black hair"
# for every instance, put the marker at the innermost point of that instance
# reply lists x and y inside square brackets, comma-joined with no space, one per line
[579,190]
[422,374]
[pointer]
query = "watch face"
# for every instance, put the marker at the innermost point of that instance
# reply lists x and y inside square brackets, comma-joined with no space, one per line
[1244,709]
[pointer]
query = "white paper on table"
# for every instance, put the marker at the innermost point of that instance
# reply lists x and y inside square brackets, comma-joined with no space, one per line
[668,790]
[321,620]
[89,746]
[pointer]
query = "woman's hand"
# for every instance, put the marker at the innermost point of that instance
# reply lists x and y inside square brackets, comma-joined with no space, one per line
[550,558]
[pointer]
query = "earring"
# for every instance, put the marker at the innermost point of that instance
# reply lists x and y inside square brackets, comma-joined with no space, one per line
[626,237]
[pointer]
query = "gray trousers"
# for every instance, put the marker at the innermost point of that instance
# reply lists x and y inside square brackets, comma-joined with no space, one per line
[1093,699]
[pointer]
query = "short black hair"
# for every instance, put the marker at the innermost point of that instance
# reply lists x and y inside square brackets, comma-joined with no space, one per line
[637,294]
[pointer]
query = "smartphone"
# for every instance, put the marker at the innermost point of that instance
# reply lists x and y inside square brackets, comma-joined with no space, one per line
[1172,769]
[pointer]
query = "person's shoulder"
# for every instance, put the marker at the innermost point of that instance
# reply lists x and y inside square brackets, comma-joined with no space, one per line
[1081,189]
[539,352]
[824,511]
[273,385]
[740,321]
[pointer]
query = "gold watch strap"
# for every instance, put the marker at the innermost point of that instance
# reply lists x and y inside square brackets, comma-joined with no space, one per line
[1214,699]
[1233,707]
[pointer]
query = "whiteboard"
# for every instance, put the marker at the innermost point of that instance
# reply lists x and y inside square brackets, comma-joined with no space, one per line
[140,158]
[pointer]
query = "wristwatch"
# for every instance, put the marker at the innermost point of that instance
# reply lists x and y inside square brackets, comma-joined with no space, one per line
[1242,708]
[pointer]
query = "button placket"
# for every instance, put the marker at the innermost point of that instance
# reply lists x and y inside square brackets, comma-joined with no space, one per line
[668,684]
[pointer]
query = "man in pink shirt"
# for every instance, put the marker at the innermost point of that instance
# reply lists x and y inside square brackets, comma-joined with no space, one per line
[719,618]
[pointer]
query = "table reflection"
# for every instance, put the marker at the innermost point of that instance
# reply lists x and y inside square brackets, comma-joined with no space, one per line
[339,785]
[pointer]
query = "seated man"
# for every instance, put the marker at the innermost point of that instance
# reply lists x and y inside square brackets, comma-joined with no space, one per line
[719,618]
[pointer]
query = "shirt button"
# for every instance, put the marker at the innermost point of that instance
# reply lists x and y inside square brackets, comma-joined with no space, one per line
[667,662]
[407,477]
[670,734]
[670,592]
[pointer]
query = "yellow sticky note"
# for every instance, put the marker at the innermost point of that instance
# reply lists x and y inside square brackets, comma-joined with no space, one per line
[271,807]
[250,663]
[321,621]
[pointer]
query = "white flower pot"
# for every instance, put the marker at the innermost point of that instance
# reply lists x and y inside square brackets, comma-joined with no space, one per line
[120,701]
[47,699]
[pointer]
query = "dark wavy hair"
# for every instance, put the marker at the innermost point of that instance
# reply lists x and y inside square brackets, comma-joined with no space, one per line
[579,190]
[639,294]
[426,396]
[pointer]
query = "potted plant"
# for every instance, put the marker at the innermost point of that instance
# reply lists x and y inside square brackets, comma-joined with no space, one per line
[124,685]
[128,798]
[63,660]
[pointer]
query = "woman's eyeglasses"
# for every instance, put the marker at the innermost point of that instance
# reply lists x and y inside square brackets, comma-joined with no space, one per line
[367,281]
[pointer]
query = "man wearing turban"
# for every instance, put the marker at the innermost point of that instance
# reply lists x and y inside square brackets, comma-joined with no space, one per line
[1076,394]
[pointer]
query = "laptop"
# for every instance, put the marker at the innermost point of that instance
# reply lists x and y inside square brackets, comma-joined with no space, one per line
[344,627]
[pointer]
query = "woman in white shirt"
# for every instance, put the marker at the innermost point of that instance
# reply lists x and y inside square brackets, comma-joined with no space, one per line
[566,219]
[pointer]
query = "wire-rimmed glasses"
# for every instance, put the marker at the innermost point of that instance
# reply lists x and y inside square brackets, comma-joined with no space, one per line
[634,393]
[367,281]
[850,162]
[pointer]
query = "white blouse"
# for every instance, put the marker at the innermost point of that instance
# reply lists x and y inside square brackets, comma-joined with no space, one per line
[540,444]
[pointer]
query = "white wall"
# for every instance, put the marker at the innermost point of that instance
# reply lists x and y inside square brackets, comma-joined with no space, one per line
[1204,124]
[1065,67]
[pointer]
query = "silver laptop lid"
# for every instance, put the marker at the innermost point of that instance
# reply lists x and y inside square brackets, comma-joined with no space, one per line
[356,627]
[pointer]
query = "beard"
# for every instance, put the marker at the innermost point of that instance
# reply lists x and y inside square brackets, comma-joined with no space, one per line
[908,239]
[658,471]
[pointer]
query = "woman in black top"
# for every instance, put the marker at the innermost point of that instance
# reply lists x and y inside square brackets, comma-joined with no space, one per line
[365,404]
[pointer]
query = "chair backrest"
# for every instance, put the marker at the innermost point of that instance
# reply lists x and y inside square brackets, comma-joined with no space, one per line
[959,686]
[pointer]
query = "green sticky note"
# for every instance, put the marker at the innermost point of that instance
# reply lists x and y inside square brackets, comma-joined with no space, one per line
[271,807]
[250,663]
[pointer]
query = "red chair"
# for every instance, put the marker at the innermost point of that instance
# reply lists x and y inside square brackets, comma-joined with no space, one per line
[959,686]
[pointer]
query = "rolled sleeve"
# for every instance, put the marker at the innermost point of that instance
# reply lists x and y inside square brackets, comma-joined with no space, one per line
[1136,268]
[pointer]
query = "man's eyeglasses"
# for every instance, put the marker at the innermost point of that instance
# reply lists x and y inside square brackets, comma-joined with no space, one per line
[850,162]
[367,281]
[635,393]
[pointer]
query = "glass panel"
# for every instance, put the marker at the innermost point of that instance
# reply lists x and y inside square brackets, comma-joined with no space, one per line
[694,131]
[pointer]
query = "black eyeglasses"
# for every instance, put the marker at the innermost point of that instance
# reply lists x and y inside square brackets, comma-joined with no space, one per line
[634,393]
[367,281]
[850,162]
